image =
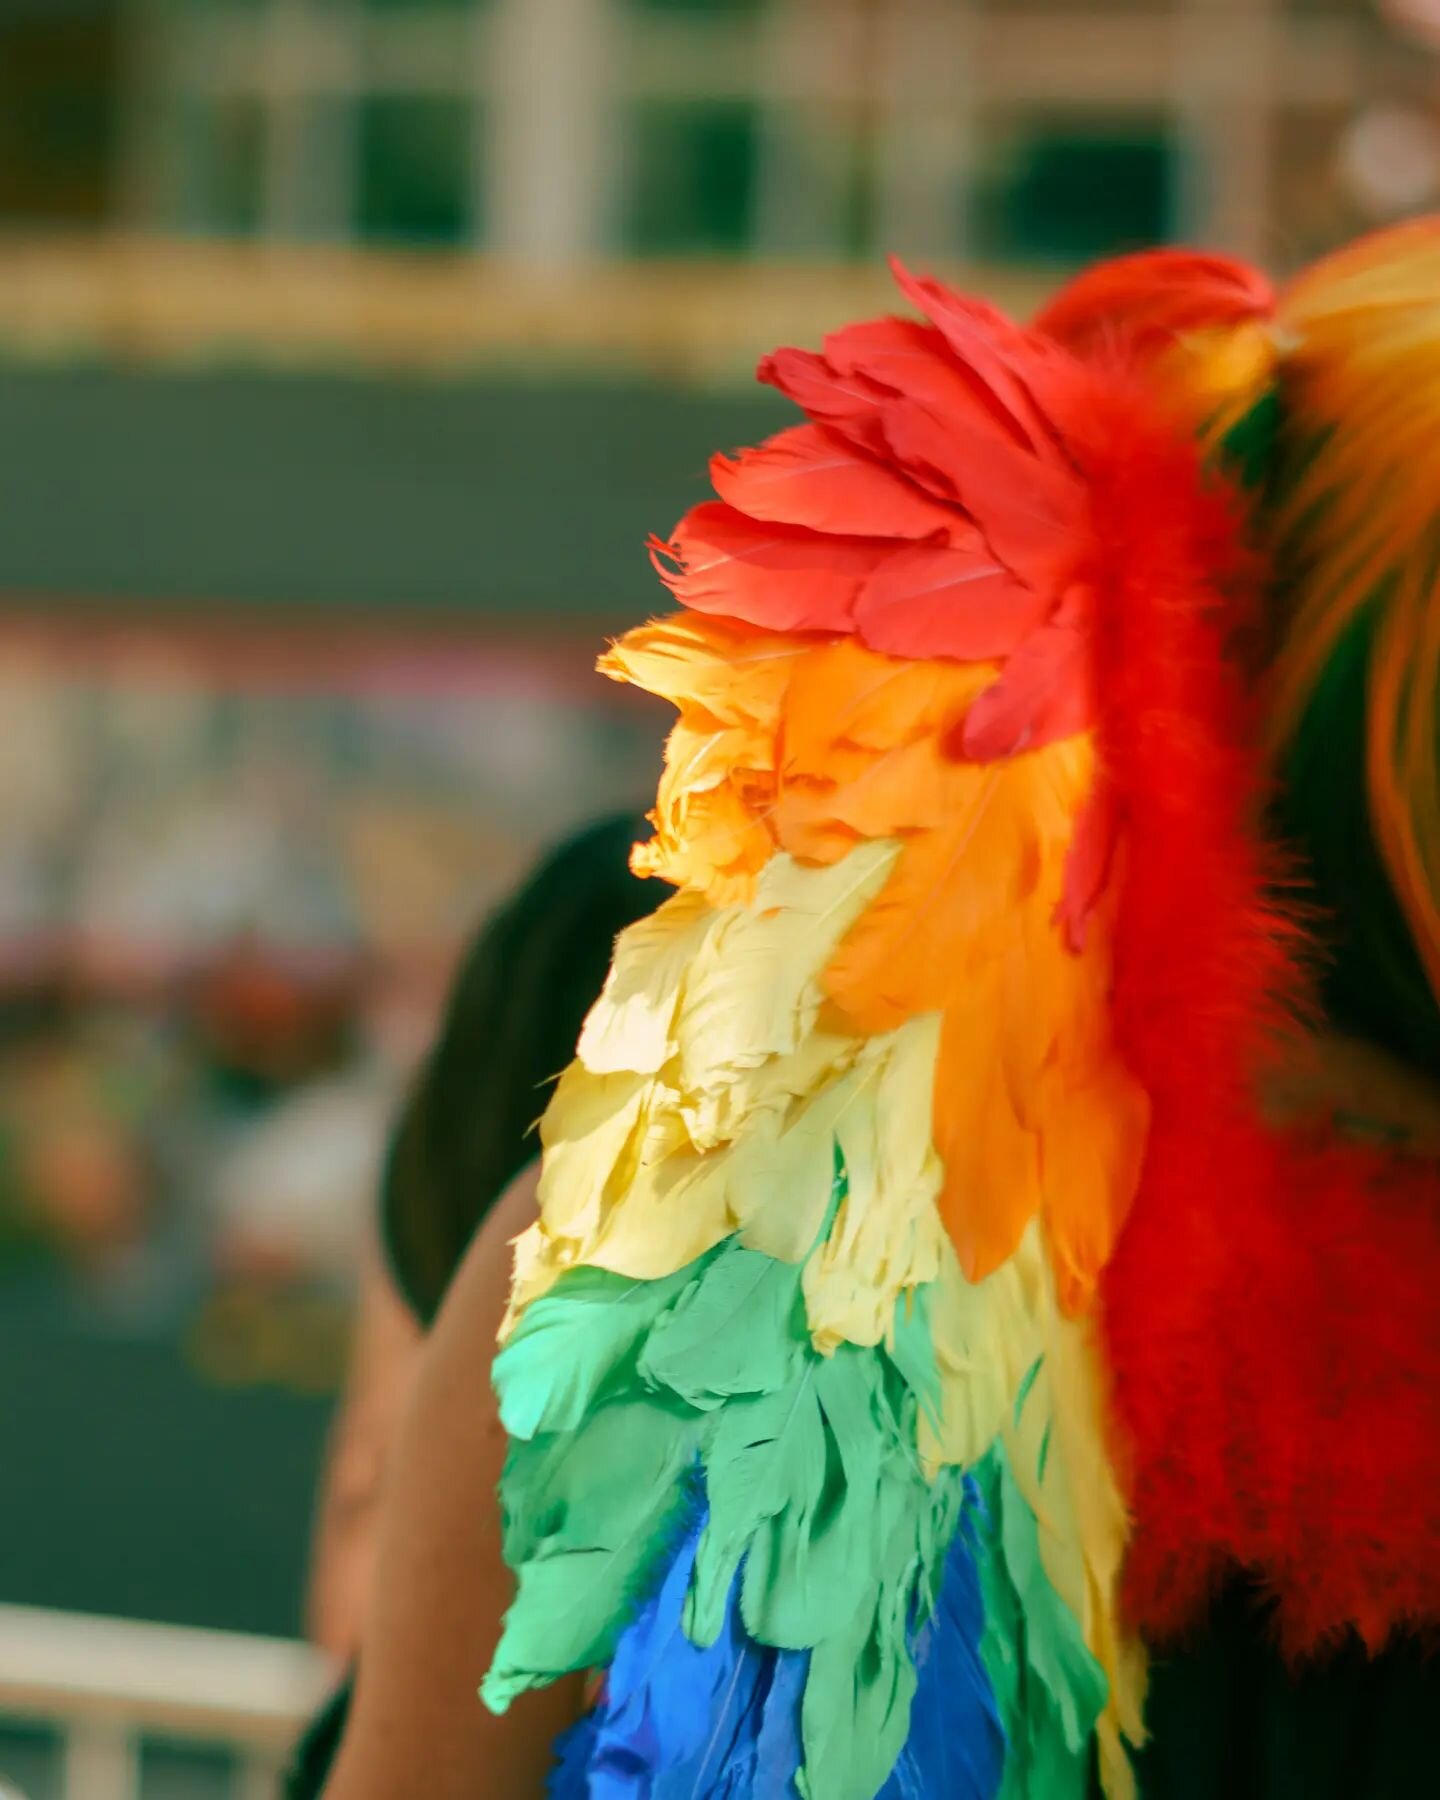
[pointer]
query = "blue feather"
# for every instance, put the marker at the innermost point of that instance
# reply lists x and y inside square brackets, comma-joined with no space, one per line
[777,1749]
[678,1721]
[573,1750]
[956,1745]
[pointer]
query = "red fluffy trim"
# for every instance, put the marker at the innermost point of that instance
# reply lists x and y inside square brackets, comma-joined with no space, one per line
[1271,1311]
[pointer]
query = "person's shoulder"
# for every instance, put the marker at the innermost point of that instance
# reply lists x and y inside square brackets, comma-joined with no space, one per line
[475,1304]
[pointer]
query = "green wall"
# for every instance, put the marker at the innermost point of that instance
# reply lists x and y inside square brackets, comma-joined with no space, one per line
[515,499]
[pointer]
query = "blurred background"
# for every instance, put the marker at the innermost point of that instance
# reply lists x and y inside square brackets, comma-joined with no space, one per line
[349,349]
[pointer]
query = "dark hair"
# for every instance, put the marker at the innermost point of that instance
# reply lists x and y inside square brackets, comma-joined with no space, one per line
[515,1011]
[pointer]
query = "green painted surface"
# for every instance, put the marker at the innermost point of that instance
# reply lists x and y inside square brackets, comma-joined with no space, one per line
[133,1487]
[514,498]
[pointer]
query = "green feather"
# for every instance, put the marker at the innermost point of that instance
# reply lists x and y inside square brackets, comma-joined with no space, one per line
[576,1341]
[803,1558]
[912,1354]
[856,1712]
[1048,1687]
[739,1330]
[815,1495]
[586,1518]
[765,1459]
[1027,1381]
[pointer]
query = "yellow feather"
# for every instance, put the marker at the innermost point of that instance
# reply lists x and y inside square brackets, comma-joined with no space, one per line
[887,1236]
[631,1027]
[1013,1367]
[1060,1456]
[704,1090]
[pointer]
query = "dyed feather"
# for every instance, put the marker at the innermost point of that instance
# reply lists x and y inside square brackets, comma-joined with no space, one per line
[781,576]
[810,476]
[950,1030]
[677,1720]
[956,1746]
[1275,1295]
[708,1723]
[1049,1690]
[819,1516]
[1199,327]
[893,952]
[574,1750]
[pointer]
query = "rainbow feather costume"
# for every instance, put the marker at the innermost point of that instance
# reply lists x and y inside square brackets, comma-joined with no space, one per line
[884,1207]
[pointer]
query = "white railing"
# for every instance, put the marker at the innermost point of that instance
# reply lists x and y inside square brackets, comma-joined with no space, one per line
[105,1684]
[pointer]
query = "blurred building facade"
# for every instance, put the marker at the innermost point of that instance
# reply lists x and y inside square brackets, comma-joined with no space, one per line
[295,637]
[556,132]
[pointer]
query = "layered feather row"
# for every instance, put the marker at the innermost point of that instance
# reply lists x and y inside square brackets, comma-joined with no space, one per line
[849,1140]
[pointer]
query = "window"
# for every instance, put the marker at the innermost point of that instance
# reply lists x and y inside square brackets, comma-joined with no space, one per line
[416,156]
[692,176]
[1068,191]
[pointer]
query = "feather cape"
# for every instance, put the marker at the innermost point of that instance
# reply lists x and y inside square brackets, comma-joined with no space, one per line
[907,1231]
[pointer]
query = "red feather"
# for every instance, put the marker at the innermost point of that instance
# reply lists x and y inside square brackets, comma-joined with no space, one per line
[927,505]
[1024,376]
[773,575]
[848,402]
[1087,865]
[904,357]
[1269,1314]
[935,601]
[1031,514]
[1141,303]
[1046,691]
[866,366]
[811,476]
